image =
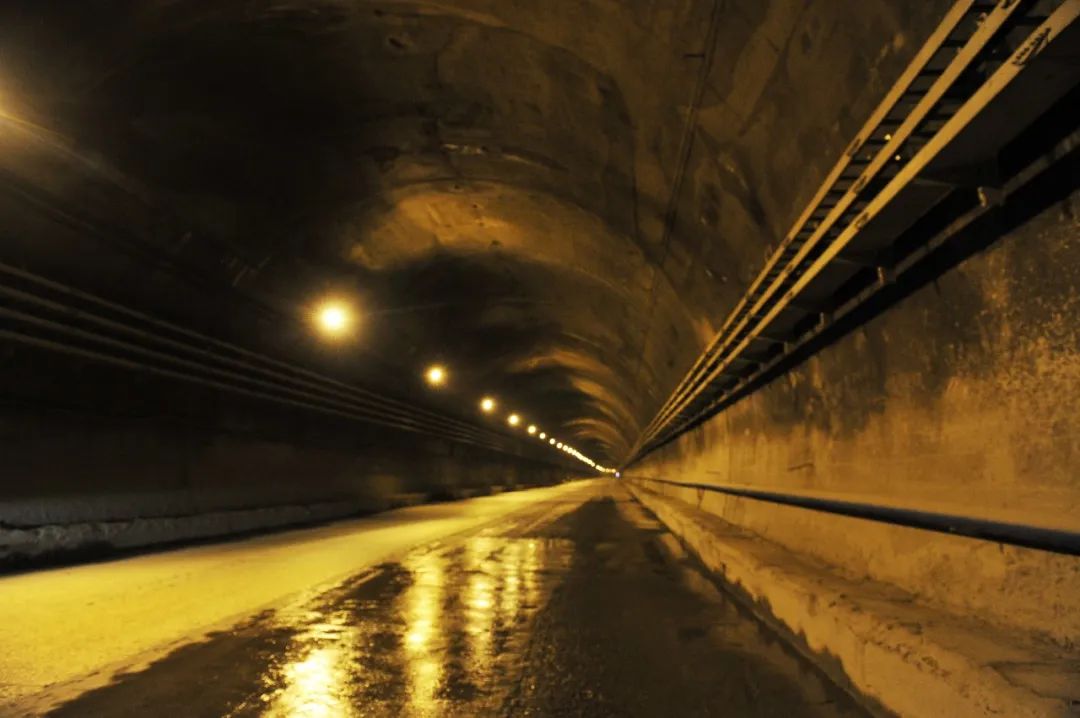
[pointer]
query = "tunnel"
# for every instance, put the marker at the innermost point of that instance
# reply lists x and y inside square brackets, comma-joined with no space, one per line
[540,358]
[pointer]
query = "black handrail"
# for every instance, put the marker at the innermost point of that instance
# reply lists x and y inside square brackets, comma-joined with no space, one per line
[1034,537]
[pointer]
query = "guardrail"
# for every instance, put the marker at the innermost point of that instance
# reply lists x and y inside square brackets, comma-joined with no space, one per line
[1013,534]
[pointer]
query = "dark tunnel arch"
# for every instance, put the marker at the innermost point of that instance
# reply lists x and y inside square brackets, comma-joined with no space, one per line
[521,152]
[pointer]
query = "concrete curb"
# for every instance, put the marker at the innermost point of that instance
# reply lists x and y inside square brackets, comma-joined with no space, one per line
[40,546]
[904,658]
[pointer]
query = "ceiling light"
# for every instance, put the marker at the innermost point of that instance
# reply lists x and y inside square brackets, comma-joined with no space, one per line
[333,318]
[435,375]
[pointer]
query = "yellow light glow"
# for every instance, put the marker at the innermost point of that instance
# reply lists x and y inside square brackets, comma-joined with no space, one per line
[558,445]
[487,405]
[532,429]
[513,420]
[551,441]
[435,375]
[313,685]
[543,435]
[333,318]
[422,608]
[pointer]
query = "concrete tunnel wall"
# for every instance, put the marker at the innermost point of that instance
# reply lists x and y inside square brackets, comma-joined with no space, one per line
[174,487]
[219,165]
[960,400]
[96,460]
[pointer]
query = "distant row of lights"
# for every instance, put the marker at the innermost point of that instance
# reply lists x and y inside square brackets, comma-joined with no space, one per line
[335,318]
[436,375]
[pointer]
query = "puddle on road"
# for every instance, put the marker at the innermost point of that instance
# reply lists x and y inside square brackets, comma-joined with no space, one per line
[436,634]
[580,615]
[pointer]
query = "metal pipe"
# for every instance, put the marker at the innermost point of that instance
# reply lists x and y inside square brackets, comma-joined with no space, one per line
[1068,146]
[963,59]
[947,25]
[361,400]
[1022,535]
[302,400]
[153,321]
[744,325]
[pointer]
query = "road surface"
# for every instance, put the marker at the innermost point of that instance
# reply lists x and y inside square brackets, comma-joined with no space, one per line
[563,601]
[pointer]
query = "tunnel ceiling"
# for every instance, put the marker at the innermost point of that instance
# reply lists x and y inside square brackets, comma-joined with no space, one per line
[560,200]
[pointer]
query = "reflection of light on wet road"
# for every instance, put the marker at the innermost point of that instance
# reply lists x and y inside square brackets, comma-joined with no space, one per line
[122,612]
[479,592]
[436,636]
[532,567]
[313,686]
[509,602]
[423,614]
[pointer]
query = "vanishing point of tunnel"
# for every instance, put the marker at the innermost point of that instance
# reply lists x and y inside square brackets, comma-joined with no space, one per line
[467,358]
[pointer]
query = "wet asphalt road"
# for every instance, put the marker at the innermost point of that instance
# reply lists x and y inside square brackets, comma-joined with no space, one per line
[575,609]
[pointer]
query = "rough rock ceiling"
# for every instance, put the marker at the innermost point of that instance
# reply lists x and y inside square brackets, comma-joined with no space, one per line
[508,186]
